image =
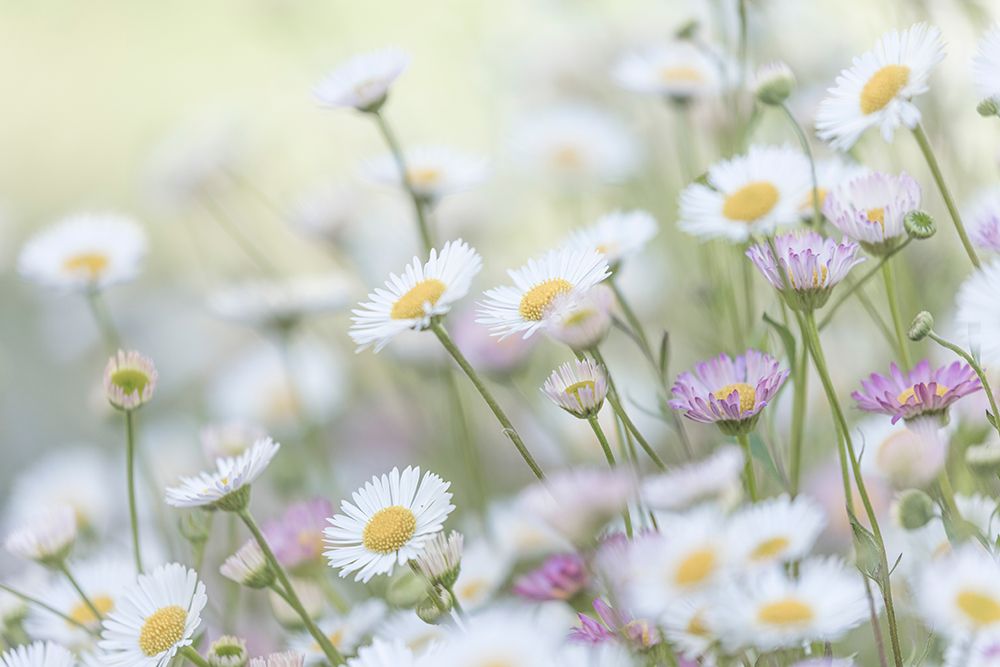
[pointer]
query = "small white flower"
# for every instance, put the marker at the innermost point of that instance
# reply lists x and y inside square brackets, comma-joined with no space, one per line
[484,570]
[908,455]
[777,530]
[830,174]
[282,659]
[878,89]
[578,387]
[46,538]
[384,654]
[617,235]
[959,594]
[578,502]
[500,637]
[248,566]
[983,219]
[228,486]
[715,478]
[38,654]
[363,82]
[870,208]
[986,64]
[441,559]
[678,70]
[406,628]
[432,171]
[390,522]
[978,311]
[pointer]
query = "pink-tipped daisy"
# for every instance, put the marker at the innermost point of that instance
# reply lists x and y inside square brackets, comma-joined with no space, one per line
[923,392]
[870,209]
[129,380]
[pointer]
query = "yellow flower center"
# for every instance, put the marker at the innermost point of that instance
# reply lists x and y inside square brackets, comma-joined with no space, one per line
[425,176]
[82,614]
[92,264]
[411,305]
[536,300]
[785,612]
[697,627]
[684,74]
[389,529]
[575,388]
[471,590]
[884,85]
[770,548]
[695,568]
[909,393]
[163,629]
[981,609]
[748,395]
[819,195]
[567,157]
[819,278]
[750,202]
[877,215]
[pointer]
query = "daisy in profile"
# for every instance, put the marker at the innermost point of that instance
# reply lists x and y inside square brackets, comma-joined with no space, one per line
[431,171]
[978,310]
[85,252]
[390,521]
[747,195]
[155,619]
[959,594]
[581,321]
[986,68]
[279,304]
[714,479]
[248,567]
[922,393]
[525,306]
[774,531]
[878,89]
[228,486]
[578,387]
[47,537]
[38,654]
[409,301]
[729,392]
[983,214]
[344,631]
[679,71]
[870,209]
[772,610]
[617,235]
[363,82]
[384,654]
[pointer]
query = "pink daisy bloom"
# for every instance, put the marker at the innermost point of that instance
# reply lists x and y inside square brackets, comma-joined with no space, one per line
[921,393]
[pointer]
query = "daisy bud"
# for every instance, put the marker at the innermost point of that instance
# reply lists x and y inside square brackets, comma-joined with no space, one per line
[227,651]
[921,326]
[773,83]
[129,380]
[433,611]
[581,322]
[283,659]
[914,509]
[406,590]
[47,539]
[248,566]
[989,107]
[578,387]
[441,559]
[984,459]
[919,225]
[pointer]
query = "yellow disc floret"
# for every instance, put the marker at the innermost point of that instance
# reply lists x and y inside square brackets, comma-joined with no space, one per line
[907,394]
[83,615]
[769,548]
[884,85]
[752,201]
[536,300]
[748,395]
[91,264]
[162,629]
[389,529]
[785,612]
[411,305]
[981,609]
[695,568]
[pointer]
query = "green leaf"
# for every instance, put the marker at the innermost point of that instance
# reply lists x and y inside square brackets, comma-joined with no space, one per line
[787,339]
[759,451]
[664,354]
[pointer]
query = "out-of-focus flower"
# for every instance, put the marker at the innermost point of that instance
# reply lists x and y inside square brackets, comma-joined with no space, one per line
[978,311]
[808,266]
[313,599]
[578,502]
[157,616]
[578,387]
[729,392]
[687,625]
[441,560]
[363,82]
[390,523]
[324,211]
[384,654]
[537,284]
[297,536]
[425,290]
[129,380]
[46,538]
[406,628]
[878,89]
[678,70]
[983,216]
[484,570]
[986,66]
[907,457]
[228,486]
[747,195]
[500,637]
[617,235]
[282,659]
[38,654]
[560,577]
[345,632]
[248,567]
[776,530]
[231,438]
[581,321]
[612,625]
[959,594]
[85,252]
[870,209]
[775,610]
[716,478]
[773,83]
[485,352]
[923,392]
[280,304]
[830,174]
[431,171]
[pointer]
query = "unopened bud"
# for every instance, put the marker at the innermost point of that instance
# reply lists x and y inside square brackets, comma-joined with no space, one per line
[919,225]
[433,611]
[406,590]
[921,326]
[227,651]
[773,83]
[915,509]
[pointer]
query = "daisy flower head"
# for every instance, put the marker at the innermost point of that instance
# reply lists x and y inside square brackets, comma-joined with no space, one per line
[922,393]
[959,593]
[716,479]
[907,457]
[157,617]
[729,392]
[870,209]
[46,538]
[747,195]
[804,266]
[390,522]
[500,637]
[525,306]
[363,82]
[578,502]
[773,610]
[983,214]
[432,172]
[879,87]
[678,70]
[129,380]
[978,312]
[422,292]
[37,654]
[830,174]
[381,653]
[617,235]
[774,531]
[581,321]
[686,625]
[227,488]
[578,387]
[279,304]
[986,67]
[84,253]
[773,83]
[248,567]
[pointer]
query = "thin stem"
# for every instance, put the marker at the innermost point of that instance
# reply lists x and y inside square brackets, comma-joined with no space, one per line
[79,591]
[897,320]
[508,427]
[969,359]
[631,318]
[237,235]
[193,656]
[49,608]
[800,379]
[748,474]
[609,455]
[807,149]
[133,513]
[404,174]
[845,295]
[104,321]
[876,628]
[332,654]
[949,202]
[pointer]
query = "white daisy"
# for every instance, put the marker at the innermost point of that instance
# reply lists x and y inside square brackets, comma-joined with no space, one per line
[410,301]
[38,654]
[716,478]
[772,610]
[228,486]
[84,252]
[578,387]
[870,208]
[986,65]
[45,537]
[384,654]
[281,303]
[830,173]
[431,171]
[484,570]
[344,632]
[389,523]
[878,88]
[129,380]
[248,566]
[978,312]
[983,216]
[777,530]
[363,82]
[537,284]
[617,235]
[156,617]
[441,559]
[750,194]
[678,70]
[959,594]
[908,455]
[500,637]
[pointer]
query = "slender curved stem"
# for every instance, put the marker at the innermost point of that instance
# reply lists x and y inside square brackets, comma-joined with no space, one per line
[217,213]
[969,359]
[800,379]
[49,608]
[404,174]
[609,455]
[79,591]
[807,149]
[897,320]
[748,475]
[193,656]
[133,513]
[104,321]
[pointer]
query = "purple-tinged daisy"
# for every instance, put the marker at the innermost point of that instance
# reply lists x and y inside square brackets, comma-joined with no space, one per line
[729,392]
[560,577]
[811,266]
[870,209]
[297,537]
[921,393]
[614,625]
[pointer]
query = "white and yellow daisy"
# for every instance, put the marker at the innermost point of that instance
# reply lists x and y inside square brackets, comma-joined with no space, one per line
[409,301]
[537,284]
[578,502]
[907,455]
[38,654]
[617,235]
[750,194]
[484,569]
[345,632]
[228,486]
[500,637]
[578,387]
[85,252]
[878,89]
[273,303]
[686,625]
[978,311]
[678,70]
[431,171]
[389,523]
[777,530]
[581,321]
[959,594]
[384,654]
[986,66]
[46,537]
[363,82]
[715,479]
[155,618]
[772,610]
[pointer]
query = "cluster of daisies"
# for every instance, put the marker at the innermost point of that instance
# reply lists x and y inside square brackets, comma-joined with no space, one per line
[667,552]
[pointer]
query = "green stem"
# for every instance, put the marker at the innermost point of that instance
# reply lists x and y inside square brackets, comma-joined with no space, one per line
[897,321]
[800,379]
[748,293]
[845,295]
[332,654]
[949,202]
[969,359]
[193,656]
[104,321]
[807,149]
[79,591]
[609,455]
[508,427]
[133,513]
[397,155]
[748,474]
[237,235]
[49,608]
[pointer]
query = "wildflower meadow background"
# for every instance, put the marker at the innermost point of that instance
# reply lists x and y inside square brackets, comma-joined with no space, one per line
[510,334]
